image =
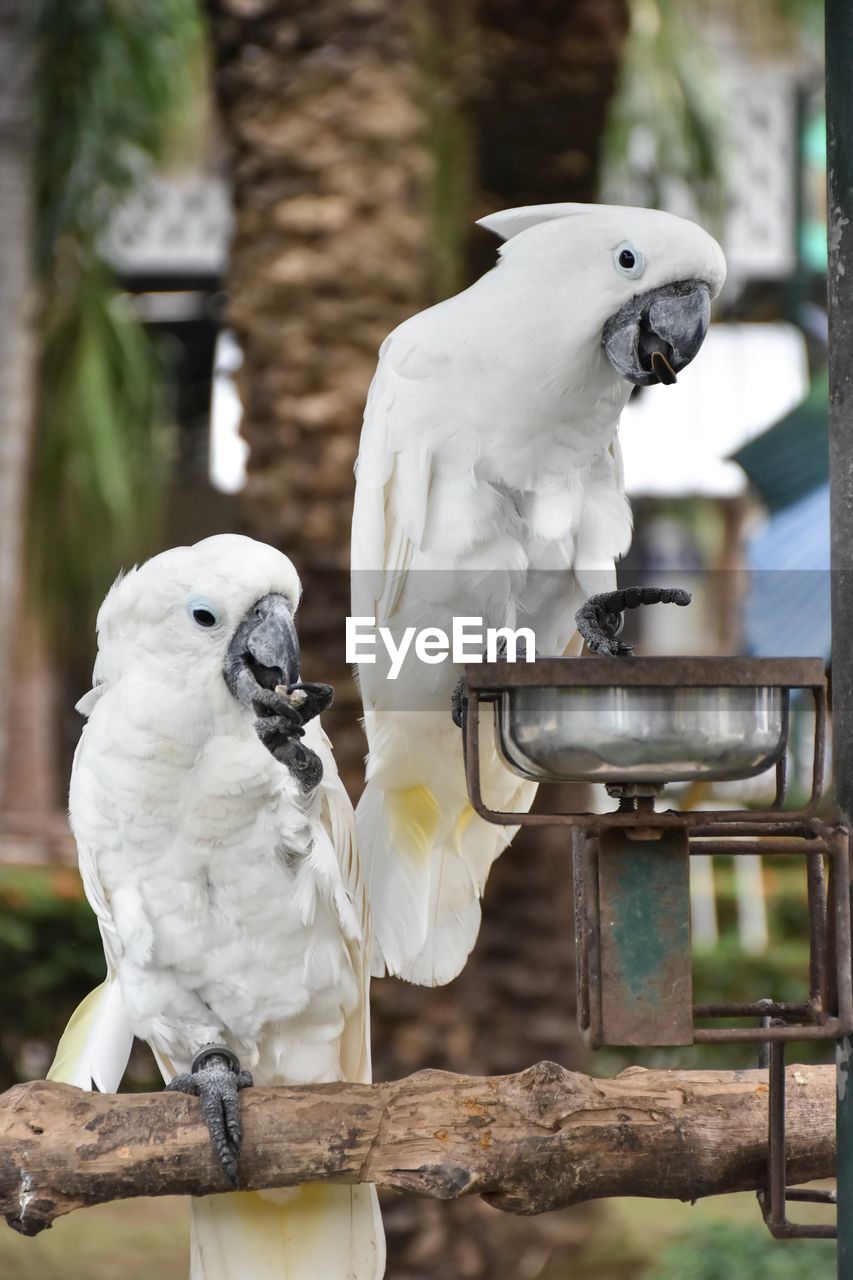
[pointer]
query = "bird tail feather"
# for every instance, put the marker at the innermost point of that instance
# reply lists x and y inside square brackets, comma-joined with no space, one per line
[96,1044]
[315,1232]
[426,853]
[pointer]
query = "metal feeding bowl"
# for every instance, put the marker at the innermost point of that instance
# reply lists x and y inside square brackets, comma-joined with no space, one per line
[644,720]
[642,734]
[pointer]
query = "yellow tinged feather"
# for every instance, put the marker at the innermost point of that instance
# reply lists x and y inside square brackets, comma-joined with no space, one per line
[316,1232]
[415,816]
[66,1063]
[575,646]
[461,825]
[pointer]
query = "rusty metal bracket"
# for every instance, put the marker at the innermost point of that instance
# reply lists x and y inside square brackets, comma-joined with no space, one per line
[634,962]
[826,1014]
[776,1196]
[489,682]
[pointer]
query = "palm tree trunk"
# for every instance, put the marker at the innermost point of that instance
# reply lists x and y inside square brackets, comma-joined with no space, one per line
[319,103]
[548,73]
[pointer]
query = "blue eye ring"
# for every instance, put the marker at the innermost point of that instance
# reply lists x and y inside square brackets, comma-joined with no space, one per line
[203,613]
[629,261]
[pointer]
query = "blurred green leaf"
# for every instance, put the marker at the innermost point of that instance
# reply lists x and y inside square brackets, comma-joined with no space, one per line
[728,1251]
[117,85]
[671,124]
[50,957]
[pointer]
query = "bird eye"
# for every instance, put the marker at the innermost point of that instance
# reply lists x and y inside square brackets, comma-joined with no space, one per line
[628,261]
[203,614]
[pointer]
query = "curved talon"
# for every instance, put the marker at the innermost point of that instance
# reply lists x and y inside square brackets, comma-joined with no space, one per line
[274,730]
[281,739]
[267,705]
[457,703]
[599,620]
[216,1079]
[300,702]
[308,698]
[279,727]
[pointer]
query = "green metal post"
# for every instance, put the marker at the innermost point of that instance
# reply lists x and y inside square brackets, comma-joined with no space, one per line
[839,123]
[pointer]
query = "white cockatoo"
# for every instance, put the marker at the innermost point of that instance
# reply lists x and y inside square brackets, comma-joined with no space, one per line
[489,486]
[217,849]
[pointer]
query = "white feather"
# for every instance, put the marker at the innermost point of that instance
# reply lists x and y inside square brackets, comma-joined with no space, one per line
[489,485]
[96,1044]
[231,907]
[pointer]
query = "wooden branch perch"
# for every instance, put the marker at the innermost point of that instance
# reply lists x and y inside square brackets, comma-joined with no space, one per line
[538,1140]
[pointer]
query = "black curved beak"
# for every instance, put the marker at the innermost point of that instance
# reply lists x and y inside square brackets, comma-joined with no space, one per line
[264,650]
[656,334]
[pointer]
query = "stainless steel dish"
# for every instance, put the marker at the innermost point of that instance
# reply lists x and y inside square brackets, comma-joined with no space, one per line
[633,734]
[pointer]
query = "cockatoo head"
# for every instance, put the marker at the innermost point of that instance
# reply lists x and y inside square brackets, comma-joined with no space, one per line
[221,609]
[638,281]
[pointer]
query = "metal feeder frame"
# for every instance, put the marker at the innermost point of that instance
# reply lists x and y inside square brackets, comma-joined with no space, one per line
[828,1012]
[776,1196]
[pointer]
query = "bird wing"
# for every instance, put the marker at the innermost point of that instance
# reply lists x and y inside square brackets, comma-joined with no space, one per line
[96,1043]
[392,495]
[338,821]
[434,535]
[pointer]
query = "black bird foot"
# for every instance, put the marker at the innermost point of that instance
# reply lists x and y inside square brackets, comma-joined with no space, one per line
[281,715]
[215,1079]
[599,621]
[458,701]
[308,698]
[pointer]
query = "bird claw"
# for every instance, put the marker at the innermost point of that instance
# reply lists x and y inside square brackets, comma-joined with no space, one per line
[280,726]
[599,621]
[299,702]
[280,735]
[458,702]
[314,698]
[215,1079]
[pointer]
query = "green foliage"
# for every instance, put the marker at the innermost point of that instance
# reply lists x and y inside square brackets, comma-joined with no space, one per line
[669,103]
[114,85]
[101,463]
[113,80]
[50,957]
[726,1251]
[670,123]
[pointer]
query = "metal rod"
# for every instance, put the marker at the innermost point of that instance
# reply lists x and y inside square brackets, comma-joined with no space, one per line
[776,1138]
[765,846]
[492,678]
[839,125]
[754,1008]
[749,1035]
[817,929]
[782,763]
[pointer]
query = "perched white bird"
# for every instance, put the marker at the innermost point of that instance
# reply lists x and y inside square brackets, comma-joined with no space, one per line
[217,849]
[490,486]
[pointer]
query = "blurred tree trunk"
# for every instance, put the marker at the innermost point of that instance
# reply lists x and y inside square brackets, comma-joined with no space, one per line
[320,107]
[365,137]
[16,339]
[548,73]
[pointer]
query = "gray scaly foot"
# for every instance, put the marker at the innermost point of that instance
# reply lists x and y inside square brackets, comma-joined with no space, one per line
[215,1079]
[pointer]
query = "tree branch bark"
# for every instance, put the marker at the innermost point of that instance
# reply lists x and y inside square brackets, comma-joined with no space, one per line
[539,1140]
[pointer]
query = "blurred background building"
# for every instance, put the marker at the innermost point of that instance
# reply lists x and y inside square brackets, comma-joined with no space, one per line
[212,214]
